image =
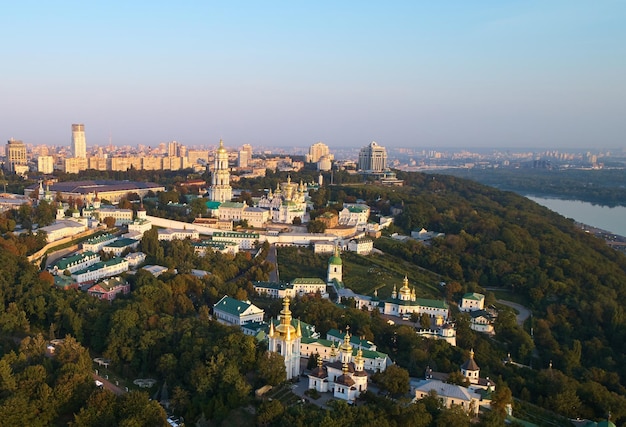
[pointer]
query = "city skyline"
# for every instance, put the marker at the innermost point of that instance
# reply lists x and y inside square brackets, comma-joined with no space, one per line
[404,74]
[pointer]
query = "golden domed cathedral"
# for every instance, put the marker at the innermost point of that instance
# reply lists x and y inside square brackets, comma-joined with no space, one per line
[285,340]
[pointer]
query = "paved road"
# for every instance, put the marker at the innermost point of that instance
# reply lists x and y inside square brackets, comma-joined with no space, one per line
[108,385]
[522,312]
[272,257]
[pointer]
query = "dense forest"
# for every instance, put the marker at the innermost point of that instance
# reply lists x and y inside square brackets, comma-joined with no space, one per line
[599,186]
[573,283]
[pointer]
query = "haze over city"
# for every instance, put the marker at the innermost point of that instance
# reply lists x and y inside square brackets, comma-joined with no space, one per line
[406,74]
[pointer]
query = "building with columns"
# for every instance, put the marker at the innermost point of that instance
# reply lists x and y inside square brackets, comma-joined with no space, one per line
[285,340]
[220,190]
[373,158]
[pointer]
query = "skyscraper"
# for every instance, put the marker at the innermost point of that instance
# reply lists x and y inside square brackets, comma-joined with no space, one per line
[220,190]
[373,158]
[316,151]
[79,145]
[16,156]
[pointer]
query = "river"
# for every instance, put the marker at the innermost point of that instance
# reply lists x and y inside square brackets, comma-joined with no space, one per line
[604,217]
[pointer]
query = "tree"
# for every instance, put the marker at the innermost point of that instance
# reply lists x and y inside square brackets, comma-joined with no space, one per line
[109,221]
[312,363]
[501,399]
[136,409]
[394,379]
[457,378]
[150,242]
[425,321]
[271,368]
[316,226]
[269,410]
[454,416]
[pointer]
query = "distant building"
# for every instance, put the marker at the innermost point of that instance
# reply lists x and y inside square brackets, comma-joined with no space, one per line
[110,190]
[317,151]
[472,301]
[404,303]
[135,259]
[482,321]
[101,269]
[354,214]
[244,240]
[16,157]
[285,340]
[274,289]
[449,394]
[121,216]
[120,245]
[63,228]
[373,158]
[469,398]
[172,234]
[344,374]
[45,164]
[74,262]
[362,246]
[243,160]
[155,270]
[95,244]
[79,144]
[286,203]
[231,311]
[220,190]
[108,289]
[224,247]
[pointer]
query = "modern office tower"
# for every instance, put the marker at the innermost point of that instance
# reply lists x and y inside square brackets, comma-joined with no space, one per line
[16,156]
[316,151]
[173,149]
[79,145]
[45,164]
[244,158]
[247,148]
[373,158]
[220,190]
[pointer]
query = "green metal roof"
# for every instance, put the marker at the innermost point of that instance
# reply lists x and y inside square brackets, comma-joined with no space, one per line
[231,305]
[474,296]
[236,205]
[433,303]
[62,264]
[101,264]
[213,205]
[99,239]
[120,243]
[273,285]
[235,234]
[308,281]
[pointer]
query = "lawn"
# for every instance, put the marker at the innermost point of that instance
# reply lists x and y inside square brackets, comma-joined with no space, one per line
[362,274]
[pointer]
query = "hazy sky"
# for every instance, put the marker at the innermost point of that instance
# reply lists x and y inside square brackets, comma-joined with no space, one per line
[404,73]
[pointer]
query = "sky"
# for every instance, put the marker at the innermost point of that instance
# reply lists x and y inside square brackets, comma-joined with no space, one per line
[502,73]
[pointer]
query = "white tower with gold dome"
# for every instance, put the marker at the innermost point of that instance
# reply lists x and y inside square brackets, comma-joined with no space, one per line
[220,190]
[285,340]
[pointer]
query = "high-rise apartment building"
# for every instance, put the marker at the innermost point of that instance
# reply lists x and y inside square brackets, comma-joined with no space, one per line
[173,149]
[45,164]
[373,158]
[220,190]
[244,159]
[79,145]
[16,156]
[316,151]
[247,148]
